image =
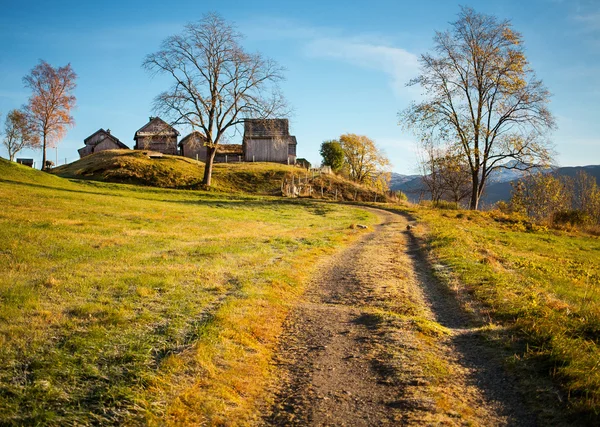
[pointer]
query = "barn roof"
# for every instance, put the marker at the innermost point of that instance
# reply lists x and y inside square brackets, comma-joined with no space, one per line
[108,135]
[165,129]
[266,128]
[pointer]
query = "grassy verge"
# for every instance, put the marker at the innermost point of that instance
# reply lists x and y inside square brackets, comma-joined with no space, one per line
[123,304]
[541,284]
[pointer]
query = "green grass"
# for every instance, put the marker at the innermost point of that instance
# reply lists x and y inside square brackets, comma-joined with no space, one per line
[127,304]
[543,284]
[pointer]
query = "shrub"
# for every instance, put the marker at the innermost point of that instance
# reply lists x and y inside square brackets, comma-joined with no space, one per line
[573,217]
[401,196]
[442,204]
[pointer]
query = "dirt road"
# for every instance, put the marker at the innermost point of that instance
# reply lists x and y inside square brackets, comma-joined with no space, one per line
[378,342]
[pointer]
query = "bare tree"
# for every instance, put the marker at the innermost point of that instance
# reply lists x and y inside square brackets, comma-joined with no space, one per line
[19,133]
[444,172]
[428,155]
[455,175]
[216,84]
[51,102]
[482,96]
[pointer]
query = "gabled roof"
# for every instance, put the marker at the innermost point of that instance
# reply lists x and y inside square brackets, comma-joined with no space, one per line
[195,134]
[256,128]
[106,135]
[167,129]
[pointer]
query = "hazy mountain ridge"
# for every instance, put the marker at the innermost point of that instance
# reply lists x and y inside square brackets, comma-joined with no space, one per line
[498,189]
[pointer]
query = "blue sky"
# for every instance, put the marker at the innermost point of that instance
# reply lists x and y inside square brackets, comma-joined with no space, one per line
[347,62]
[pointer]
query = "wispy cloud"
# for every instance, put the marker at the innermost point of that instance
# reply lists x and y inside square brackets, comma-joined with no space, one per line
[370,51]
[590,21]
[399,64]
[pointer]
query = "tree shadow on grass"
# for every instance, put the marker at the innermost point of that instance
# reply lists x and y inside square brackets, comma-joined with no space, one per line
[487,361]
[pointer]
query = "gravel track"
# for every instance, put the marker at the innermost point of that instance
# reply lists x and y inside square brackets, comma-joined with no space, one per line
[340,364]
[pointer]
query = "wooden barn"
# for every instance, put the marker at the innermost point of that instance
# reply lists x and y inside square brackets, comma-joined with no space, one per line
[157,135]
[99,141]
[269,141]
[192,146]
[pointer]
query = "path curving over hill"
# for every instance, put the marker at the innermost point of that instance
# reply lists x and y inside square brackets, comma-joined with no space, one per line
[378,342]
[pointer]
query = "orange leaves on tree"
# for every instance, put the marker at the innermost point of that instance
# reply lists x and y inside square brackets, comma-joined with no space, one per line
[51,102]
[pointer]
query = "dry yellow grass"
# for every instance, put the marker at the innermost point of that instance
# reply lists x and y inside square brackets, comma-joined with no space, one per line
[126,304]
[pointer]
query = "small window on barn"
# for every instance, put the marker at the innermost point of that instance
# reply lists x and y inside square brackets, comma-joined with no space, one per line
[292,149]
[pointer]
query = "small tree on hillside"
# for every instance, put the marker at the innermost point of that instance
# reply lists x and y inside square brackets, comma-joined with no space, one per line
[455,175]
[216,85]
[482,97]
[540,196]
[332,154]
[19,133]
[429,154]
[51,102]
[365,162]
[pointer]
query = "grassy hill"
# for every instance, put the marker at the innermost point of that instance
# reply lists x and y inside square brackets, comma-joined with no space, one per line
[129,304]
[143,168]
[124,304]
[538,291]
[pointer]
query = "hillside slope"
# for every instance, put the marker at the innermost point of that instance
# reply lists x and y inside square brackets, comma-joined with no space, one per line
[539,291]
[152,169]
[132,305]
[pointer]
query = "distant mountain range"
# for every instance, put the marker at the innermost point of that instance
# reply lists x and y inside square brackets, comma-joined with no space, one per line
[498,188]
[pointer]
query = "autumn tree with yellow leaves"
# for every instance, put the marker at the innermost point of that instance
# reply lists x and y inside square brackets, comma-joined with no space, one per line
[364,162]
[482,98]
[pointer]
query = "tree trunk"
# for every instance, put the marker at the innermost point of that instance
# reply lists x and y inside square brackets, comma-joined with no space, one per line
[474,204]
[210,157]
[43,152]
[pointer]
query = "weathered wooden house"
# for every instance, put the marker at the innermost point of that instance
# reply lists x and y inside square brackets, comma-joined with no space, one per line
[99,141]
[157,135]
[269,141]
[192,146]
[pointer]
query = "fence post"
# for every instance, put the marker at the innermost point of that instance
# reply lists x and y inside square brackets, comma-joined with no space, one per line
[225,158]
[336,194]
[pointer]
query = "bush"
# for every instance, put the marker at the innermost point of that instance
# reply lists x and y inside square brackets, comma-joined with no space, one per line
[442,204]
[401,196]
[573,217]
